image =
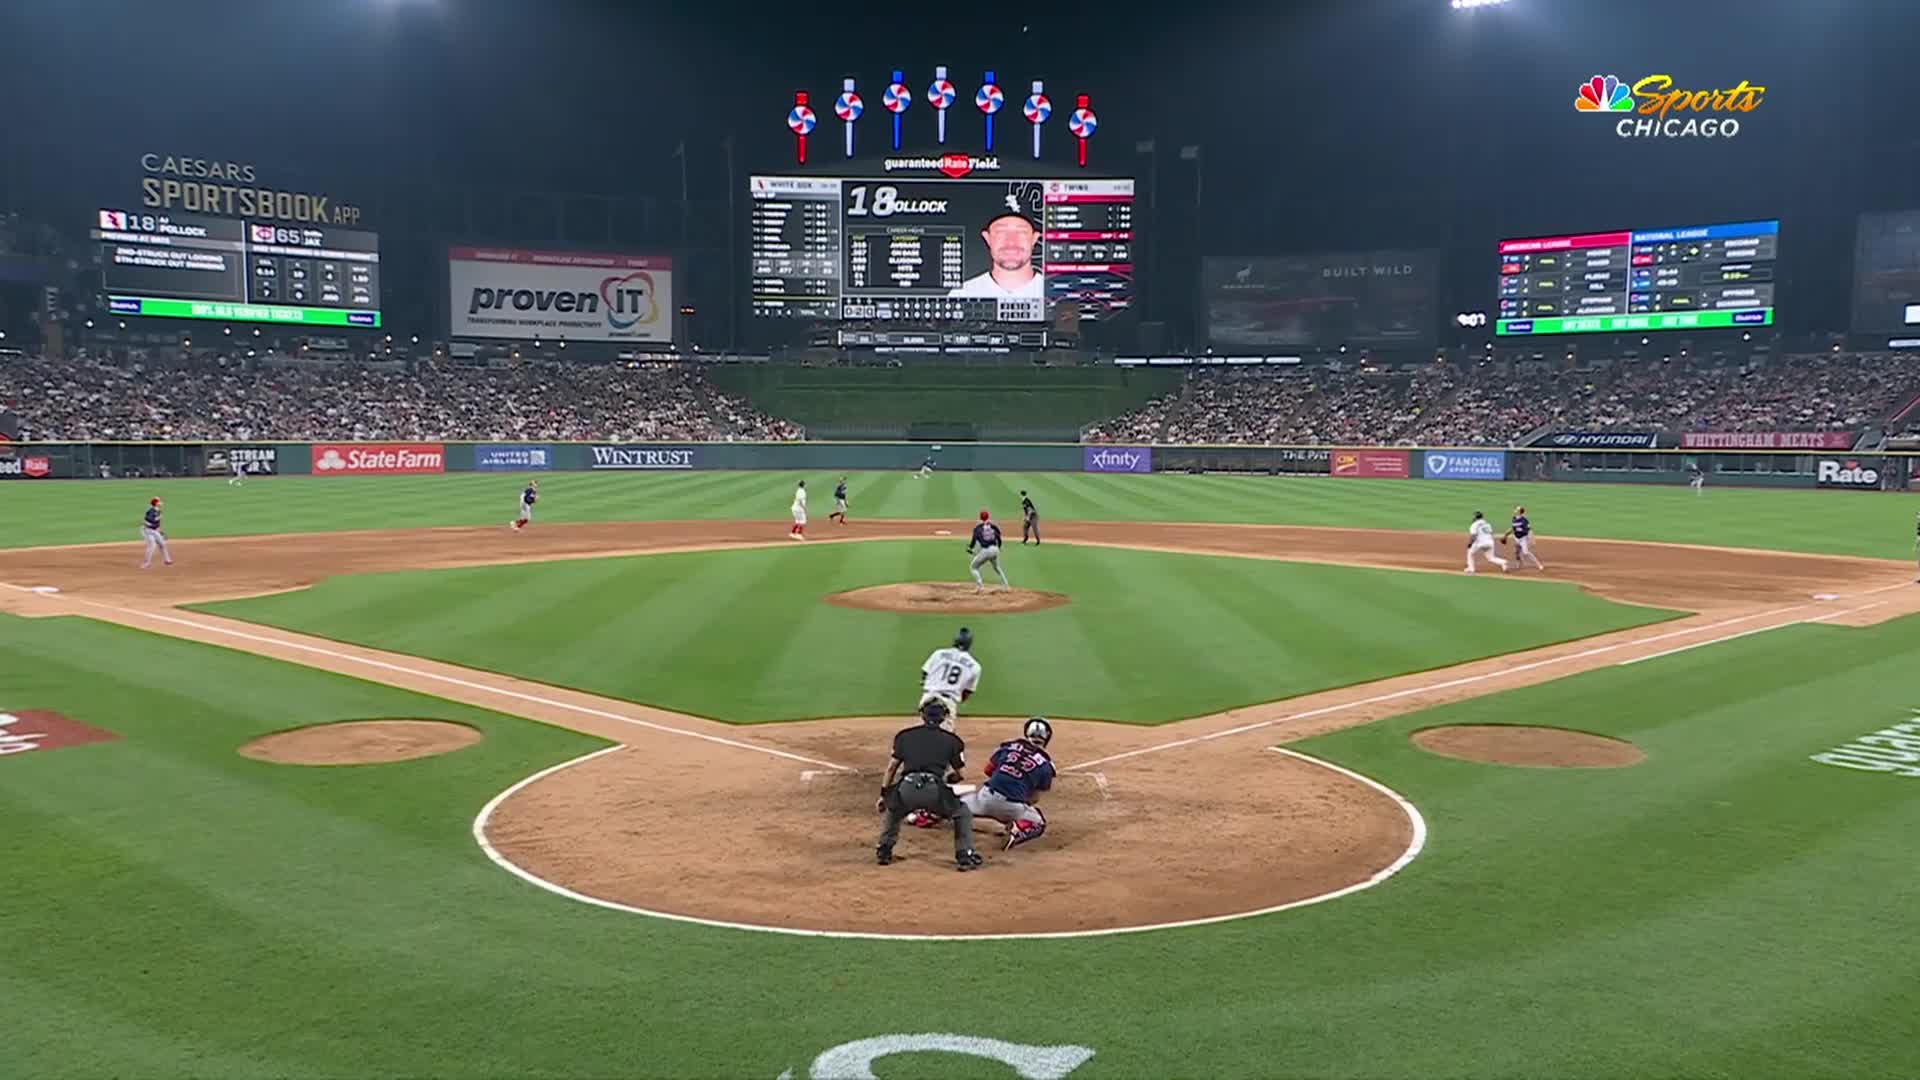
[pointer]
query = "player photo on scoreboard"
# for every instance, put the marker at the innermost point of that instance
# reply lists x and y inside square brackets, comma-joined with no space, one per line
[1005,262]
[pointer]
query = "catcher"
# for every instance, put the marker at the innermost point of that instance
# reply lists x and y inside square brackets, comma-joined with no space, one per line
[925,760]
[1018,772]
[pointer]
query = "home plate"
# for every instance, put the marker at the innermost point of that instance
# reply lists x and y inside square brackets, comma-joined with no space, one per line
[1826,596]
[962,789]
[46,590]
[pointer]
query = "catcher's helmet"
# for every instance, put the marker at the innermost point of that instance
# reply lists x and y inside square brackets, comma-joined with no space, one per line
[963,639]
[933,712]
[1038,731]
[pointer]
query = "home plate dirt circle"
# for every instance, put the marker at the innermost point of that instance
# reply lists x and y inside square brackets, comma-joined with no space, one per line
[1528,745]
[948,597]
[768,843]
[361,742]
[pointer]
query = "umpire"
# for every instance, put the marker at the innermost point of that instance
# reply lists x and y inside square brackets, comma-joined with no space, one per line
[925,759]
[1029,520]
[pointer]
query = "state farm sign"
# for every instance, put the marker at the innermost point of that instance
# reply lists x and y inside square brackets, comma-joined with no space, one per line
[378,459]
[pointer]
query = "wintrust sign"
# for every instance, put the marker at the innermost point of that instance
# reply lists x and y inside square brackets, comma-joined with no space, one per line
[571,295]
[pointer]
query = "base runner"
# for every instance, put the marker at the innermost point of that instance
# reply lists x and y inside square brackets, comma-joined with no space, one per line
[799,508]
[1480,542]
[154,536]
[1019,771]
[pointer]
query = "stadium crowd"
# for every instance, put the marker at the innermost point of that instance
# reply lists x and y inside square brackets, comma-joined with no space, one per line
[137,395]
[1502,405]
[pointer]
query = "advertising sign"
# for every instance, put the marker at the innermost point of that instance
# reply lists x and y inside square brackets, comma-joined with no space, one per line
[575,295]
[1767,440]
[1371,464]
[378,459]
[256,460]
[1850,474]
[1464,464]
[1601,440]
[511,457]
[642,457]
[1111,459]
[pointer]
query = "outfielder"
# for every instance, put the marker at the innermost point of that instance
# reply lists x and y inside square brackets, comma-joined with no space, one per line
[925,760]
[926,468]
[1699,478]
[984,546]
[1522,533]
[528,496]
[799,530]
[1018,772]
[950,676]
[1480,542]
[236,473]
[156,539]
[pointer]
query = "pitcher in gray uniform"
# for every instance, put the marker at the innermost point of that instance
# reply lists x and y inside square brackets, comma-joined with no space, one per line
[926,759]
[984,546]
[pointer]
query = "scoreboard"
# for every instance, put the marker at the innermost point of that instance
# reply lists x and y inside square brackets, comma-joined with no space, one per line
[1696,277]
[196,267]
[940,250]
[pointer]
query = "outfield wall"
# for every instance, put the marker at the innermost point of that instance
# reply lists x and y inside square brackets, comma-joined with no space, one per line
[1895,471]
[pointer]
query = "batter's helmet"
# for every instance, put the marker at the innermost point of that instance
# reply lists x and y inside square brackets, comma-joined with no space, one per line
[1038,731]
[963,639]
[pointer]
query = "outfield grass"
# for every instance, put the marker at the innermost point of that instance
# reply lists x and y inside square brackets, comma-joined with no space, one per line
[1729,908]
[1846,523]
[745,636]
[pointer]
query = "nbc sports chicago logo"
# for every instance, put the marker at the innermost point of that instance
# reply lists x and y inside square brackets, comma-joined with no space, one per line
[1655,108]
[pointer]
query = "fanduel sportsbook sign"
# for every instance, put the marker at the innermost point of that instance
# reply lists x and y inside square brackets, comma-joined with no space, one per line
[642,457]
[1132,459]
[1464,465]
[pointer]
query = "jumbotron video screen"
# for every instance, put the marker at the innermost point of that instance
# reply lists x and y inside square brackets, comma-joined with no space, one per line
[1695,277]
[191,266]
[931,250]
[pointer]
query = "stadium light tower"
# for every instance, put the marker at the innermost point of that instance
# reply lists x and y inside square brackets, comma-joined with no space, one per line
[1475,5]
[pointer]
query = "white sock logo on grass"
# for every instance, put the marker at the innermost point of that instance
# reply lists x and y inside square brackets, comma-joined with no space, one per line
[854,1060]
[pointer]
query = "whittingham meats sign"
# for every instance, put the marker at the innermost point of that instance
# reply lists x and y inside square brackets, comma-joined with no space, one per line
[555,295]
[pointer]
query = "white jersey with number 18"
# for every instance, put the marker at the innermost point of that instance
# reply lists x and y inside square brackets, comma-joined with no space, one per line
[950,673]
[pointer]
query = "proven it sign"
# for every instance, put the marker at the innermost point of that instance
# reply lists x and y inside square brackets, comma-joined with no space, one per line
[378,459]
[579,296]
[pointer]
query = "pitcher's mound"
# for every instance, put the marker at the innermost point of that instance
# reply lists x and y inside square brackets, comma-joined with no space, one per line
[361,742]
[1523,744]
[947,597]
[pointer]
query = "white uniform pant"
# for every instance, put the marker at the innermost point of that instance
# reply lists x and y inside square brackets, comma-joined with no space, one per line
[156,541]
[1524,552]
[1484,547]
[986,802]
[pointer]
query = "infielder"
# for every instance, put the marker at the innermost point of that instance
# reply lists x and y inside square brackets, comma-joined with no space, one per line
[925,759]
[1016,775]
[840,501]
[984,546]
[799,530]
[528,496]
[1480,542]
[156,539]
[1522,533]
[950,676]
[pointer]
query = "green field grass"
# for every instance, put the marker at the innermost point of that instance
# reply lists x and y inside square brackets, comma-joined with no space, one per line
[1844,523]
[1727,909]
[1149,636]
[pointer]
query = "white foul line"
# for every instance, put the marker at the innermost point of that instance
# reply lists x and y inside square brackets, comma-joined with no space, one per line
[1417,826]
[1750,633]
[468,684]
[1414,691]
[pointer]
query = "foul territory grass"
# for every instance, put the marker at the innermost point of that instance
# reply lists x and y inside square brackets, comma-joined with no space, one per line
[746,636]
[1846,523]
[1728,908]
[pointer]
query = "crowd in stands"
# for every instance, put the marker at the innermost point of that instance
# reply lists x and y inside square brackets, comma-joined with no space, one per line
[138,395]
[1503,405]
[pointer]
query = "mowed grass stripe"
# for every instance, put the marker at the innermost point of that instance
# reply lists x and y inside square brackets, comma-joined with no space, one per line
[679,630]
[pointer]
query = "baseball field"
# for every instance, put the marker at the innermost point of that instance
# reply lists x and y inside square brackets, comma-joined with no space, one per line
[370,784]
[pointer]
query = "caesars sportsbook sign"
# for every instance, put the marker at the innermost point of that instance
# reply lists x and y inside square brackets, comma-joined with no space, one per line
[575,295]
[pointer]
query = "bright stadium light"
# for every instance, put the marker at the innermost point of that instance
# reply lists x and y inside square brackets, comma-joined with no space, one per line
[1471,5]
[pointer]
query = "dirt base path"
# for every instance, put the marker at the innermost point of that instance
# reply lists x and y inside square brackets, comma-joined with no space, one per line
[779,832]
